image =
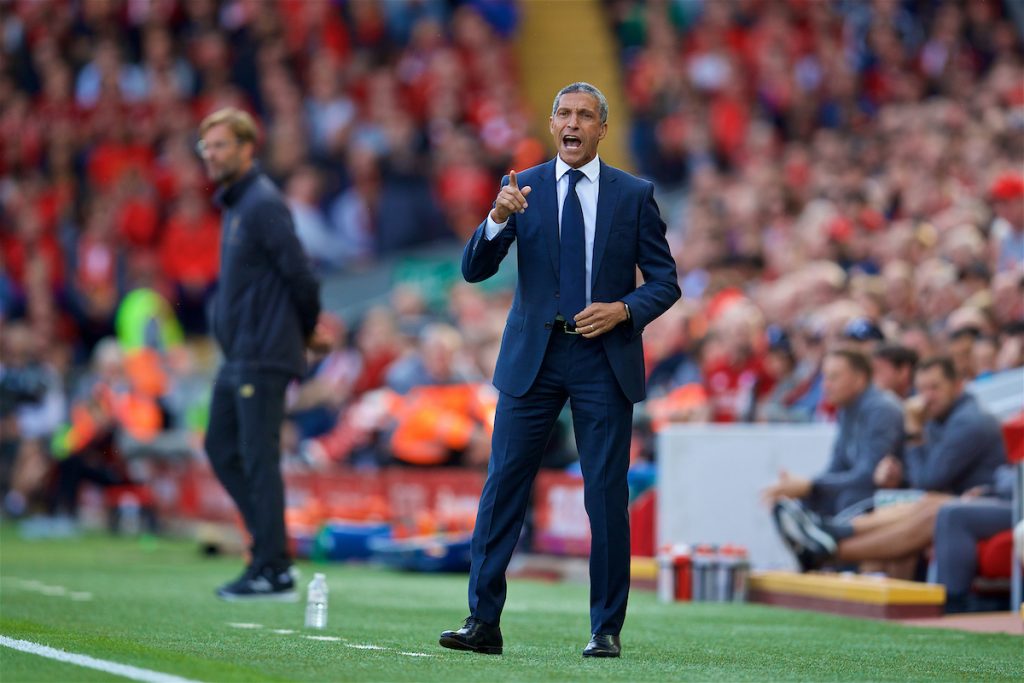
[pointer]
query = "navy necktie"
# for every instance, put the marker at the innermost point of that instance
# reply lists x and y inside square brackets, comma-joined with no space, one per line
[572,254]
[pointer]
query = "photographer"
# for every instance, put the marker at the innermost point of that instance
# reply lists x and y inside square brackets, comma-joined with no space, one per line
[32,404]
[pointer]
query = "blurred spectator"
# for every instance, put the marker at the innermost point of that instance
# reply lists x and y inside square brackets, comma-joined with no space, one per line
[439,359]
[1007,198]
[983,356]
[961,350]
[893,369]
[313,405]
[32,406]
[959,527]
[863,335]
[190,257]
[733,360]
[870,429]
[108,402]
[321,244]
[953,444]
[780,363]
[670,344]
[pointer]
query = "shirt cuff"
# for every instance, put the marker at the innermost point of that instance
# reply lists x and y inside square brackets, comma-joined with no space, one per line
[492,229]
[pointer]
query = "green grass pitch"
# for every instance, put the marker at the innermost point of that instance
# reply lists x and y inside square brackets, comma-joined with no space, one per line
[150,604]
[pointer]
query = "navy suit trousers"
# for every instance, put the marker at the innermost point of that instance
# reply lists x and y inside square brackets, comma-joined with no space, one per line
[577,370]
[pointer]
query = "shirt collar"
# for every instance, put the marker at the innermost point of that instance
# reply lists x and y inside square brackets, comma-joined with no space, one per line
[854,406]
[227,196]
[962,399]
[592,169]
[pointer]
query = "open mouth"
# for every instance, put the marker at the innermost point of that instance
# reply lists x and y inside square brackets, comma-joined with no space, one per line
[571,142]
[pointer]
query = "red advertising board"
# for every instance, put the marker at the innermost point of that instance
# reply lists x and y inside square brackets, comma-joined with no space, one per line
[193,492]
[416,499]
[561,526]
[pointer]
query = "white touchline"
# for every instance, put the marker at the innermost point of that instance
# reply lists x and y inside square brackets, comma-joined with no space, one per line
[52,591]
[124,670]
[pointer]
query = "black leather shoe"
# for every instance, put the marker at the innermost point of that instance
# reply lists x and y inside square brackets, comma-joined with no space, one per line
[601,645]
[475,636]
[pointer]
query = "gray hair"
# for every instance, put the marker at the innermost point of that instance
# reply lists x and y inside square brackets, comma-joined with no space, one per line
[580,86]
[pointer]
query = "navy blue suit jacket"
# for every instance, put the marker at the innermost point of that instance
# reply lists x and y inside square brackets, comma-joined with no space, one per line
[629,233]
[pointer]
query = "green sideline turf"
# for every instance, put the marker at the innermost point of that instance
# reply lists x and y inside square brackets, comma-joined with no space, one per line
[152,606]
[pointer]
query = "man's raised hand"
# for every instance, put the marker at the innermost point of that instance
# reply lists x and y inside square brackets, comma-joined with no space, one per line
[510,200]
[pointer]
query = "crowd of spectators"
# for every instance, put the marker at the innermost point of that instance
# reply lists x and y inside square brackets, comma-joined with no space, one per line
[832,174]
[386,124]
[850,171]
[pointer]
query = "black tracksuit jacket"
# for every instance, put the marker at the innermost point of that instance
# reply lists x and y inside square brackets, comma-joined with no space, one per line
[267,299]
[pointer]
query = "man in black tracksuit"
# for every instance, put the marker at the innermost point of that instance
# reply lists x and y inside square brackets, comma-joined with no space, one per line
[265,313]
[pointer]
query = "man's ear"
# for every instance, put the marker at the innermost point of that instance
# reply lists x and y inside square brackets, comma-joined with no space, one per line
[604,131]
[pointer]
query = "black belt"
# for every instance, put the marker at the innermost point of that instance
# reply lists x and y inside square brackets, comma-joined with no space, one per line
[559,325]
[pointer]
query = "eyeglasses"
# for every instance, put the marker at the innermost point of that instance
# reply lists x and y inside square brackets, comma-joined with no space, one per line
[202,147]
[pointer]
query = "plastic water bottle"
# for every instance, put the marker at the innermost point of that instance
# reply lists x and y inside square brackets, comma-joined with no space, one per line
[742,576]
[129,514]
[703,573]
[316,602]
[666,575]
[728,561]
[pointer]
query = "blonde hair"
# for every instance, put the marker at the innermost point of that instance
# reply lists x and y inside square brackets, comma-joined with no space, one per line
[240,122]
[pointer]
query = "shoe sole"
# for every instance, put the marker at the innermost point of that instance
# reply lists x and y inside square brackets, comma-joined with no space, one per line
[290,596]
[801,531]
[601,655]
[810,527]
[453,644]
[792,536]
[789,529]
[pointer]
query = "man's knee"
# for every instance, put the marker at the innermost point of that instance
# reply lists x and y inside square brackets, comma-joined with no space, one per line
[946,520]
[928,507]
[220,446]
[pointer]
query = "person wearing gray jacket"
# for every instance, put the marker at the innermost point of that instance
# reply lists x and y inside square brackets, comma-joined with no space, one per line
[955,450]
[870,428]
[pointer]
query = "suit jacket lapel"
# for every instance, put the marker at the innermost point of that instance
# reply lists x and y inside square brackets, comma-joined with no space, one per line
[607,197]
[547,193]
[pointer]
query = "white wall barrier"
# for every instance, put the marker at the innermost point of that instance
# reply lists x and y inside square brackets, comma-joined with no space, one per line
[710,478]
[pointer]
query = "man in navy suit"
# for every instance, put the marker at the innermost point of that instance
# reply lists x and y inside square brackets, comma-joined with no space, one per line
[573,333]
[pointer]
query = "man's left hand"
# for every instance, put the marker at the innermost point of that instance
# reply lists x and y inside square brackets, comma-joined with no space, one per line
[319,342]
[788,486]
[597,318]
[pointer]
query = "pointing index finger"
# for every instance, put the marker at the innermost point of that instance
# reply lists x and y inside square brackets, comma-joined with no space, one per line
[512,182]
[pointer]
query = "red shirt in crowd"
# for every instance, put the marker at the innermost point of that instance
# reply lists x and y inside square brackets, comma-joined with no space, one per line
[190,250]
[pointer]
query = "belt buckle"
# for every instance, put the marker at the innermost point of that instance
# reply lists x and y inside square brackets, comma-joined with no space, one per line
[565,327]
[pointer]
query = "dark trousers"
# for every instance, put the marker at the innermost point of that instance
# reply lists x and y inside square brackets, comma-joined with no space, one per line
[79,468]
[958,528]
[243,444]
[576,369]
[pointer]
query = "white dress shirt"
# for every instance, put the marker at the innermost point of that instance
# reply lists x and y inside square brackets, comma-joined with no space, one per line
[586,190]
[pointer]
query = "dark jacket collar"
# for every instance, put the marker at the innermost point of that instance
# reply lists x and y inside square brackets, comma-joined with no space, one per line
[228,195]
[964,399]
